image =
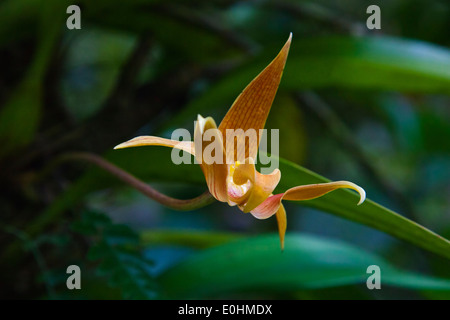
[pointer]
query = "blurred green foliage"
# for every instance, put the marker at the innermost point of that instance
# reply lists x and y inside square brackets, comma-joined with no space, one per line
[369,106]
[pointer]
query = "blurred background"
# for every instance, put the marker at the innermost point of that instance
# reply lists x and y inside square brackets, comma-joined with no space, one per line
[368,106]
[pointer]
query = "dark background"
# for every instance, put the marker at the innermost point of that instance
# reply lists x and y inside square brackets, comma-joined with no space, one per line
[148,67]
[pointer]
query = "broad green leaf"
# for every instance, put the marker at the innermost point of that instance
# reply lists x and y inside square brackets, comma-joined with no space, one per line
[384,63]
[343,204]
[381,63]
[257,264]
[153,163]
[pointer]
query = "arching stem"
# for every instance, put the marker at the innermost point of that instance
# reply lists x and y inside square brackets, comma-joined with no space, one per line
[185,205]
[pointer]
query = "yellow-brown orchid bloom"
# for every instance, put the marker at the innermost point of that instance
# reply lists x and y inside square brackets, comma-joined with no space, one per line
[234,180]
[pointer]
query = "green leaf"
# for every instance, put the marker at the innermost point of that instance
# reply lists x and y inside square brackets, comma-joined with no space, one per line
[343,204]
[153,163]
[384,63]
[381,63]
[257,264]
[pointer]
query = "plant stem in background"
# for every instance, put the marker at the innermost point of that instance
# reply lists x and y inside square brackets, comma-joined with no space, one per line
[177,204]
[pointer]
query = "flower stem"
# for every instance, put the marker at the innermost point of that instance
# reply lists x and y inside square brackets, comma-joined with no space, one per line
[185,205]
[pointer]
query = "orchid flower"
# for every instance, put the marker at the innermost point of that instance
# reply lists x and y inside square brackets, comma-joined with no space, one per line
[236,181]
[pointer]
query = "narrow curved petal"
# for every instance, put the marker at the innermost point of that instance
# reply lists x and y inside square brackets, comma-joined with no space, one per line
[268,207]
[313,191]
[282,224]
[307,192]
[252,106]
[210,154]
[187,146]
